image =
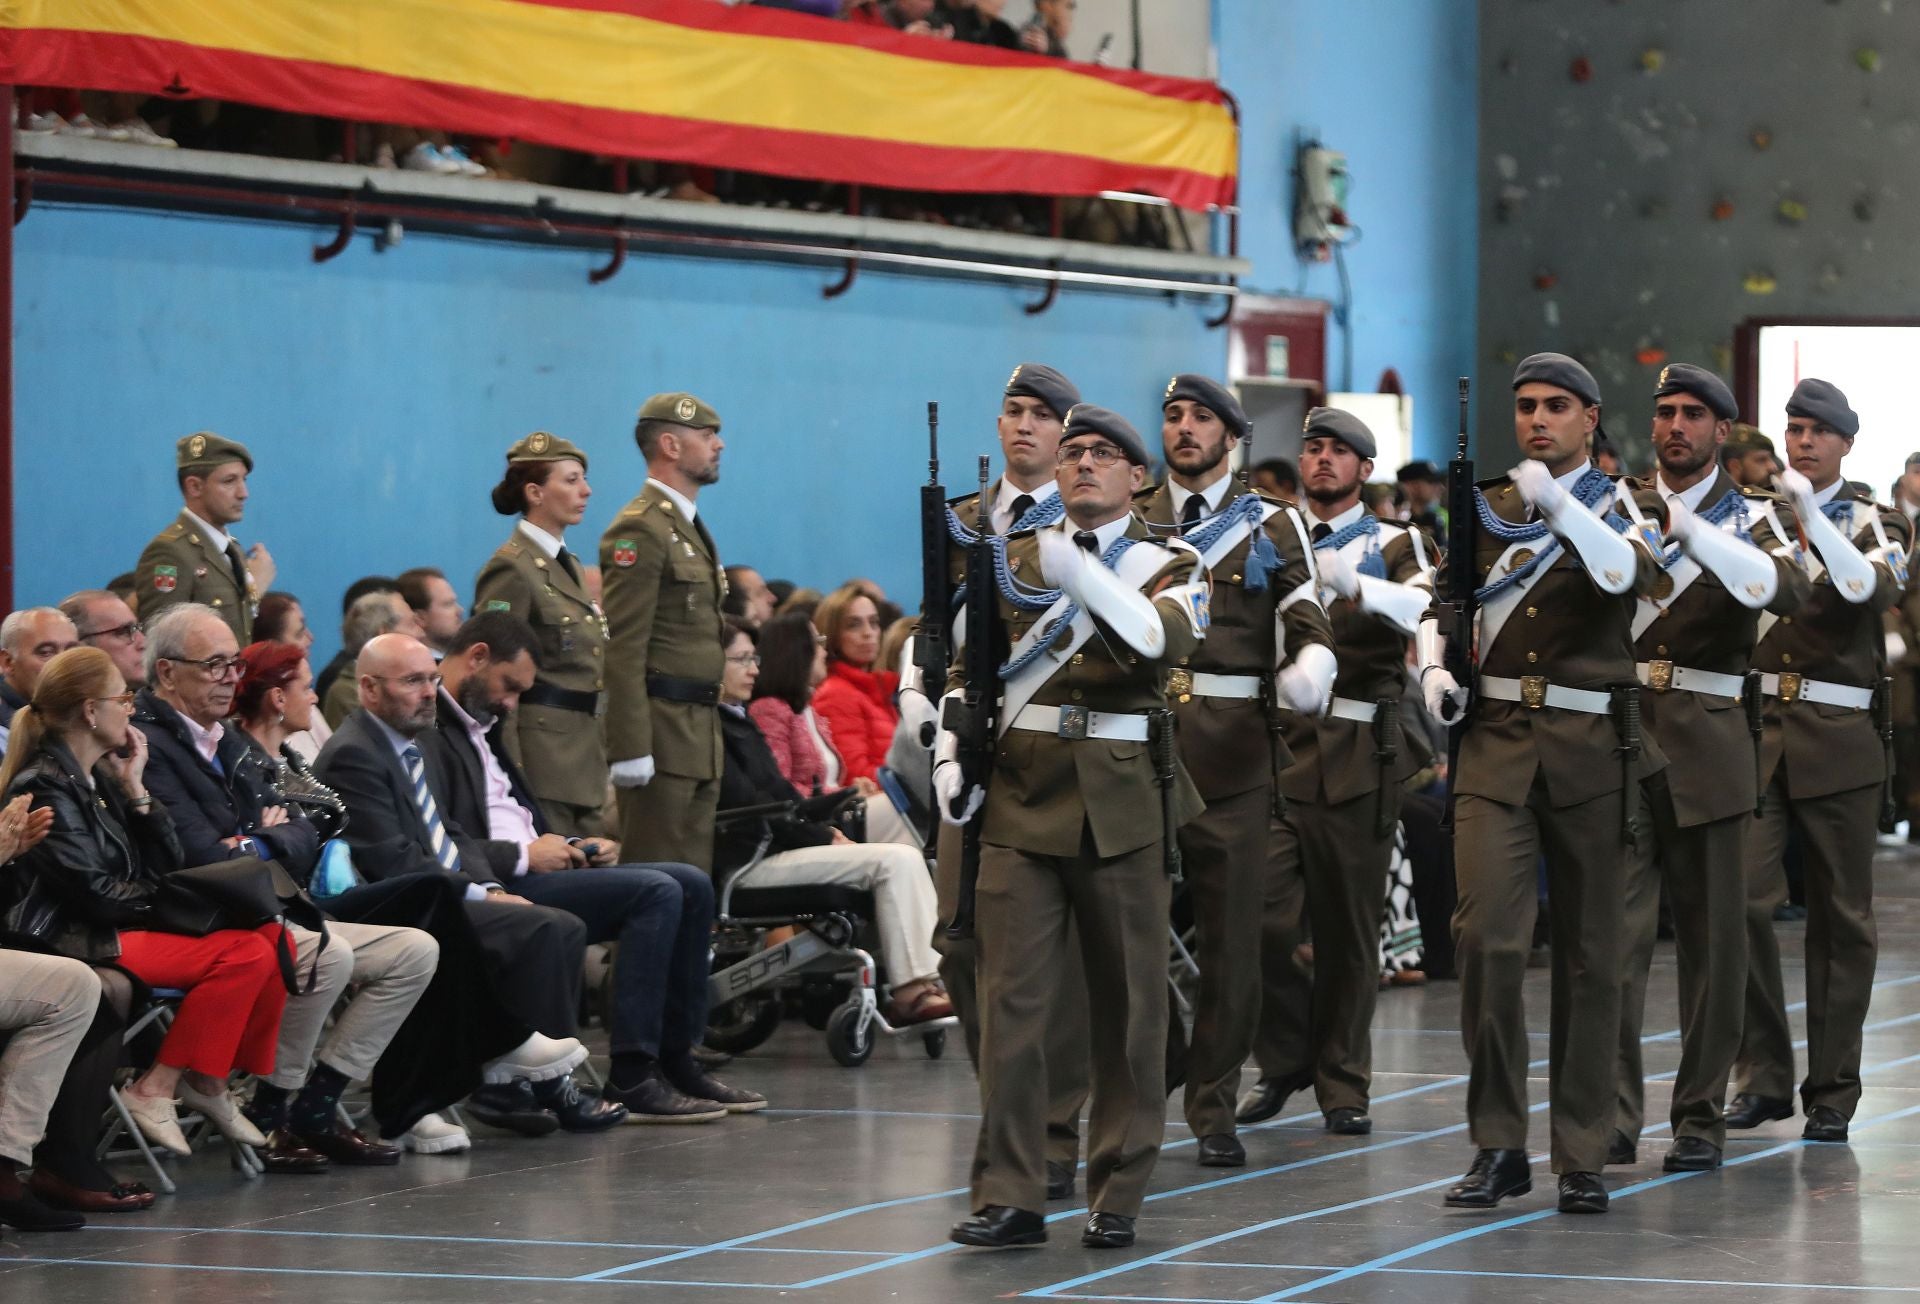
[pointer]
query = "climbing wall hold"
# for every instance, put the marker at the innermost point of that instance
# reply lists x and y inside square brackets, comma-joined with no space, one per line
[1652,59]
[1760,282]
[1792,212]
[1761,138]
[1581,70]
[1651,356]
[1722,210]
[1544,280]
[1868,58]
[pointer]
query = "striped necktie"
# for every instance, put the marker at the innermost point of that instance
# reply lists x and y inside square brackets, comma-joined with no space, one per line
[443,849]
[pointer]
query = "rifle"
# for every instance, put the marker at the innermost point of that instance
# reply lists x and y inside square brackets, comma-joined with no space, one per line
[1625,709]
[1166,773]
[970,717]
[932,650]
[1755,703]
[1457,603]
[1883,724]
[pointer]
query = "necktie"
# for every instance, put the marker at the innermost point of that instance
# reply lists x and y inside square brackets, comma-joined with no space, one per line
[1021,506]
[239,564]
[569,563]
[443,849]
[1087,539]
[1322,531]
[1190,514]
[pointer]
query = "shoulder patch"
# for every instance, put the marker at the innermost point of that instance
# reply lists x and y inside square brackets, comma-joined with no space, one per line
[497,604]
[624,553]
[166,578]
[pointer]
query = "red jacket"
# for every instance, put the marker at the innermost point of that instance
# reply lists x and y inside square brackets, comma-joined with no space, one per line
[792,743]
[857,707]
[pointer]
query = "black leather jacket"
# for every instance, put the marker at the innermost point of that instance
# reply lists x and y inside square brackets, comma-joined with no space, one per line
[99,868]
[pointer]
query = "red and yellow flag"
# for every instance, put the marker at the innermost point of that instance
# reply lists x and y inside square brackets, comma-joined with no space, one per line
[684,81]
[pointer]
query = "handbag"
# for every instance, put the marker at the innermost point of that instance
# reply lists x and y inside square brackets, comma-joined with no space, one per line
[335,872]
[245,893]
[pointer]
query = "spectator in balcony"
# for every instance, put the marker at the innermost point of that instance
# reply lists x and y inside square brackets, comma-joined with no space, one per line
[978,22]
[370,616]
[342,662]
[435,605]
[1047,31]
[914,17]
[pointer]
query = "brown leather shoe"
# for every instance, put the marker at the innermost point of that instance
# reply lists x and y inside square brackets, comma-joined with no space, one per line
[931,1003]
[125,1197]
[348,1146]
[284,1153]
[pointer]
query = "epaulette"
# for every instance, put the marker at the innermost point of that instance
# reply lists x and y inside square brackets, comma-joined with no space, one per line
[973,497]
[1144,494]
[511,548]
[1500,482]
[172,532]
[1761,492]
[1275,499]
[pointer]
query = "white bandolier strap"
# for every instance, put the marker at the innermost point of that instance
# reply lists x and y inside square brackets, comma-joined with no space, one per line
[1534,692]
[1661,676]
[1307,589]
[1400,605]
[1076,722]
[1798,688]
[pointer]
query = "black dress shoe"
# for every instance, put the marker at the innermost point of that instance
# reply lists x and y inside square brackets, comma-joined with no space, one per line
[348,1146]
[511,1107]
[998,1226]
[123,1197]
[1348,1121]
[1582,1193]
[1621,1151]
[577,1111]
[1266,1098]
[1691,1154]
[1059,1180]
[1825,1123]
[26,1212]
[1749,1110]
[1495,1175]
[284,1154]
[1107,1231]
[1222,1150]
[655,1100]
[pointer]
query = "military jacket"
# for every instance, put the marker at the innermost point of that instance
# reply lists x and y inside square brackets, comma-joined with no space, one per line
[1704,627]
[1046,791]
[1227,744]
[1829,749]
[559,749]
[182,565]
[662,583]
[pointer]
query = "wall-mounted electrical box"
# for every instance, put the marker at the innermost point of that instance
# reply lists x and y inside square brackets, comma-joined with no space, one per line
[1320,201]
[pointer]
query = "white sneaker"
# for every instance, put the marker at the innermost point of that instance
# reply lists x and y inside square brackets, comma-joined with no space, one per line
[139,133]
[223,1112]
[433,1135]
[383,156]
[537,1059]
[424,157]
[462,162]
[43,124]
[81,125]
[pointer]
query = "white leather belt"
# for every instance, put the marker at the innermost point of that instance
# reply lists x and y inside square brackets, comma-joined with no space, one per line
[1798,688]
[1345,708]
[1077,722]
[1534,691]
[1183,685]
[1662,675]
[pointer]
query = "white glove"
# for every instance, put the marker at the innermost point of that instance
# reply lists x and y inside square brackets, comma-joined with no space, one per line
[1748,574]
[1446,700]
[918,715]
[1797,487]
[1681,521]
[1851,573]
[1063,561]
[1537,486]
[637,773]
[1608,557]
[1896,648]
[958,803]
[1124,610]
[1306,682]
[1338,574]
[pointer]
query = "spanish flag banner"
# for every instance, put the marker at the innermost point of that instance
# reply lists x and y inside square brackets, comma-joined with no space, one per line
[685,81]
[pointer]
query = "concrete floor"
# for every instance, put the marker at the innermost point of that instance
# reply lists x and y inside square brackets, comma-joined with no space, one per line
[844,1192]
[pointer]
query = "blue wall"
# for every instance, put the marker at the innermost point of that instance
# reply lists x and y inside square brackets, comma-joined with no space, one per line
[1392,84]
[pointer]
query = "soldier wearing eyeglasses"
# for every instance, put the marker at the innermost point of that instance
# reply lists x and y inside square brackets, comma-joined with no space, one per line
[196,559]
[103,620]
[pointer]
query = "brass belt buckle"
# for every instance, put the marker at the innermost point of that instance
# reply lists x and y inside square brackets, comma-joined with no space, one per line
[1659,675]
[1533,691]
[1074,721]
[1180,685]
[1789,687]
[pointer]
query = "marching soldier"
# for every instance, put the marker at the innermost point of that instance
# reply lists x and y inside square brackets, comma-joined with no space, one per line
[1025,497]
[535,577]
[1551,763]
[195,559]
[1694,637]
[1333,846]
[663,584]
[1264,612]
[1822,771]
[1076,820]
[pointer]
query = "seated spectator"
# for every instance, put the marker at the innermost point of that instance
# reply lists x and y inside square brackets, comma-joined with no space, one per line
[803,600]
[87,889]
[856,699]
[435,605]
[124,586]
[370,616]
[660,914]
[809,852]
[222,808]
[913,17]
[978,22]
[1276,478]
[281,619]
[102,620]
[397,796]
[342,663]
[29,638]
[748,597]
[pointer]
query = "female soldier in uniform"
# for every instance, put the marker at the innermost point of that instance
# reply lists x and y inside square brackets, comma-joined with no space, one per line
[534,576]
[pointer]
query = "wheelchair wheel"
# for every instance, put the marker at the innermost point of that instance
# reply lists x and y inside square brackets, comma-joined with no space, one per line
[820,996]
[740,1025]
[936,1043]
[850,1044]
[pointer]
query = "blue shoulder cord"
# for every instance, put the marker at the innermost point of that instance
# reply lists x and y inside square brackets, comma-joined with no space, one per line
[1263,559]
[1589,490]
[1373,563]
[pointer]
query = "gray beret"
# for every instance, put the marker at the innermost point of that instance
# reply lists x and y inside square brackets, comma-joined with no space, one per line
[1685,378]
[1086,419]
[1343,426]
[1035,380]
[1559,370]
[1212,395]
[1820,400]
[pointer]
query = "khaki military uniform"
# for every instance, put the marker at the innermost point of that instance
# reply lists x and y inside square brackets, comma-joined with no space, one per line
[181,564]
[1696,818]
[342,699]
[1903,621]
[1822,765]
[1230,747]
[1331,849]
[1536,780]
[1073,835]
[662,582]
[556,730]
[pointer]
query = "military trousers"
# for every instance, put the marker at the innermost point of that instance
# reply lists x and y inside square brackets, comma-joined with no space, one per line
[1497,852]
[1066,1028]
[1327,873]
[1703,869]
[1837,835]
[671,819]
[1027,906]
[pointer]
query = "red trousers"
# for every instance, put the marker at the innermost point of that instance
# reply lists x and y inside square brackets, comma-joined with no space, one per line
[230,1018]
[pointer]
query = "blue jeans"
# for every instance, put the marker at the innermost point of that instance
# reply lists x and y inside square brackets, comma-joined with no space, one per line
[662,917]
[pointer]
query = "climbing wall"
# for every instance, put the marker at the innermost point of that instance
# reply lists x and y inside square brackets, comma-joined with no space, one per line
[1652,172]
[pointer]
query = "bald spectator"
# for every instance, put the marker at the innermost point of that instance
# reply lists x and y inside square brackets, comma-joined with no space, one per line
[749,600]
[29,638]
[435,605]
[102,619]
[371,615]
